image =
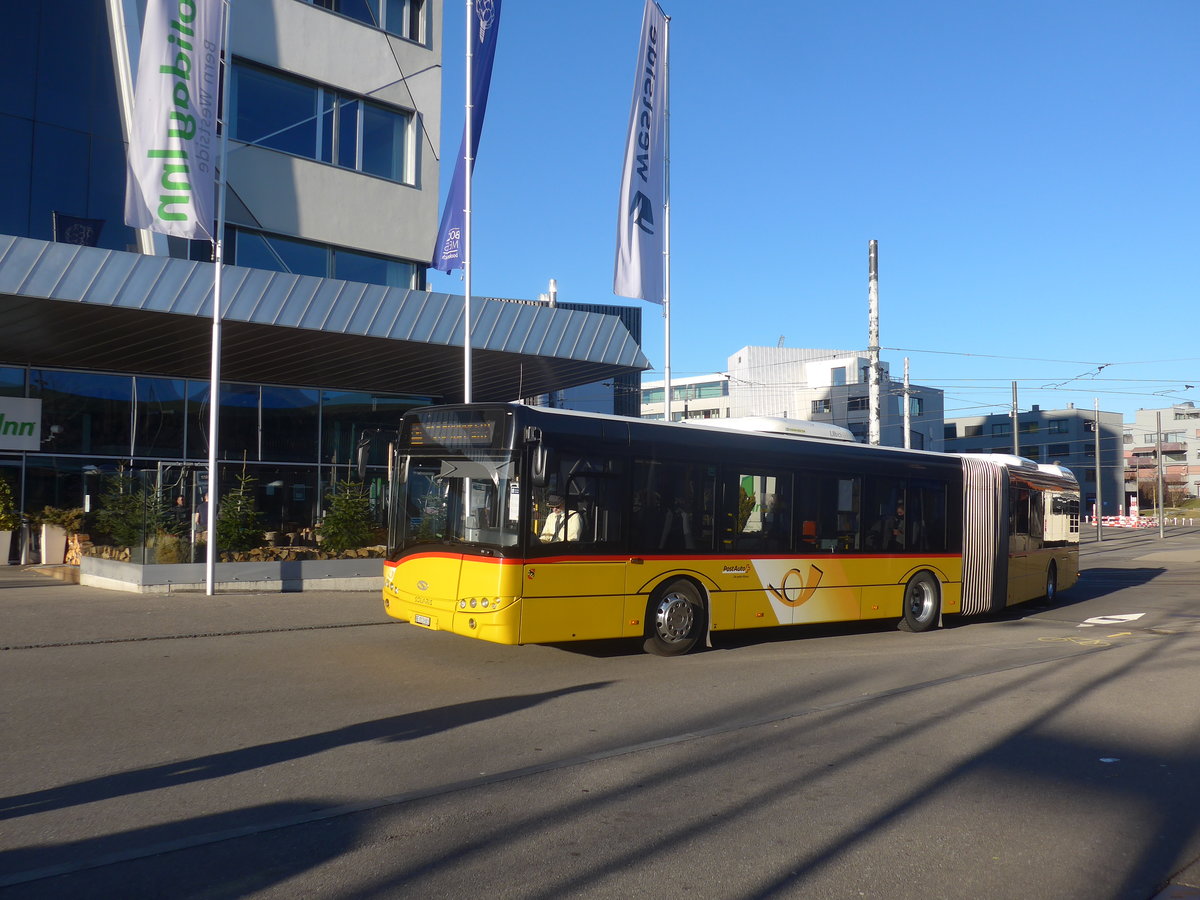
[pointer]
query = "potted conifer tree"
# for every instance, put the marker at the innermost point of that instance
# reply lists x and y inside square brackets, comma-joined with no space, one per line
[56,525]
[9,520]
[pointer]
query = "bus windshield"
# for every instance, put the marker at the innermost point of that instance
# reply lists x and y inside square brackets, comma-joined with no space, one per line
[472,501]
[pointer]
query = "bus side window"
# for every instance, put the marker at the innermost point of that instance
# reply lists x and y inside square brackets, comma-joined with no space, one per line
[887,515]
[833,503]
[927,516]
[763,520]
[672,506]
[591,486]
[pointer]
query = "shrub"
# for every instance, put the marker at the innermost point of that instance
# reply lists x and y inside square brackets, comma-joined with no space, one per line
[128,511]
[9,517]
[69,520]
[347,524]
[239,523]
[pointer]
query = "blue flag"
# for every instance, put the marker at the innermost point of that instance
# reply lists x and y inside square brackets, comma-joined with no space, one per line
[485,25]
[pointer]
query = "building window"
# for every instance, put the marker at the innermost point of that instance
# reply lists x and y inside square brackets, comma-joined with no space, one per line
[403,18]
[837,376]
[652,395]
[1029,427]
[1057,426]
[916,406]
[821,406]
[276,253]
[857,403]
[1059,449]
[708,390]
[305,119]
[1127,438]
[1001,428]
[84,412]
[972,431]
[948,432]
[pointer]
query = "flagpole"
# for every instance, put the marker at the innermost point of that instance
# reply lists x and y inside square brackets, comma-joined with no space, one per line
[214,386]
[667,213]
[467,161]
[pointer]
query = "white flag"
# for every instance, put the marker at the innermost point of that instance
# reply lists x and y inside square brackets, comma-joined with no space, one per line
[173,144]
[639,268]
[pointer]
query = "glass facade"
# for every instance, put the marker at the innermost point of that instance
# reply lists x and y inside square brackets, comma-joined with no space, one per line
[61,148]
[293,441]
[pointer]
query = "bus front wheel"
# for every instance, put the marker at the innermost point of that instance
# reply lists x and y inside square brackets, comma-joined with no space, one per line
[674,619]
[922,603]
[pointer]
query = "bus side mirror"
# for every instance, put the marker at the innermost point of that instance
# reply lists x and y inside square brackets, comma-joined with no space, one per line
[538,471]
[364,445]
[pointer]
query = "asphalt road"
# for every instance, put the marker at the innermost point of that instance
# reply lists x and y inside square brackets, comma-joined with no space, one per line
[302,745]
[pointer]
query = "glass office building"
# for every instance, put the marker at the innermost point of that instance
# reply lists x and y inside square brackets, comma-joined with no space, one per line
[332,212]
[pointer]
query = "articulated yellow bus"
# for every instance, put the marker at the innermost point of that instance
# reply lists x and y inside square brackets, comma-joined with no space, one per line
[519,524]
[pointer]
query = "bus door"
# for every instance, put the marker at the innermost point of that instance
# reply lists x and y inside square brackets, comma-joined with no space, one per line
[672,534]
[1022,559]
[574,574]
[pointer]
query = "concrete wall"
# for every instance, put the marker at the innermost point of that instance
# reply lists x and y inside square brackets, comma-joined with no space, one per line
[299,575]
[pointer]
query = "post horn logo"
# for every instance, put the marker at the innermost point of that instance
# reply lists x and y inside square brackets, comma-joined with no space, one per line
[806,589]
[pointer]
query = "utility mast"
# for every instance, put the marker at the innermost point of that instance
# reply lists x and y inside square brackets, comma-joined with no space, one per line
[873,427]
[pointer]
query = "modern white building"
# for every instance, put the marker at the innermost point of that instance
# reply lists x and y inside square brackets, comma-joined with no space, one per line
[1180,444]
[813,384]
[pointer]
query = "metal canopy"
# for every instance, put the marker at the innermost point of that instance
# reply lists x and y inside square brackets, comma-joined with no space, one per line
[87,308]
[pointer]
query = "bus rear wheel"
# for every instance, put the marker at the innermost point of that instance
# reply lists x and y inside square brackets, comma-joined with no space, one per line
[922,603]
[674,619]
[1051,582]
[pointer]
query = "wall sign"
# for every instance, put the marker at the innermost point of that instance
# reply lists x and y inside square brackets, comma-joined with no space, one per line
[20,424]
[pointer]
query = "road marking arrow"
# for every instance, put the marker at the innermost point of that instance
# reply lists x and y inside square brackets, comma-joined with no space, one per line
[1110,620]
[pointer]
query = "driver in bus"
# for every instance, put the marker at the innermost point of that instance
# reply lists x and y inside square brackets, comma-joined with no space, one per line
[560,525]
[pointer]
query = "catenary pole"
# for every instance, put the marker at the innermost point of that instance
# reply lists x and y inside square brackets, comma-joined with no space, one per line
[1162,494]
[907,411]
[1016,436]
[214,385]
[1099,473]
[873,420]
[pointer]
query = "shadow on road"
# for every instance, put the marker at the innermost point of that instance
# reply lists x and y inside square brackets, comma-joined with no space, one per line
[88,868]
[217,765]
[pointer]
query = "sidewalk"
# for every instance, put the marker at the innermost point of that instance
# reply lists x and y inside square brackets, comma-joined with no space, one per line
[93,615]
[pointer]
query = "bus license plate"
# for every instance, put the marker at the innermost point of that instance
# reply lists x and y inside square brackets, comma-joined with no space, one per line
[423,620]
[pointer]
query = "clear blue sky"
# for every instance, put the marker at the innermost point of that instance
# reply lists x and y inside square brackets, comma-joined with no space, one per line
[1028,168]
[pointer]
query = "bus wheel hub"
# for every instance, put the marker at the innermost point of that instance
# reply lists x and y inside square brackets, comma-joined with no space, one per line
[674,618]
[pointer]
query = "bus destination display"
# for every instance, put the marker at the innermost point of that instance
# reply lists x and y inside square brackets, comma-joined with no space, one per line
[446,432]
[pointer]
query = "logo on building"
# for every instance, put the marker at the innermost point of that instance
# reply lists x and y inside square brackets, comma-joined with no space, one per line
[20,423]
